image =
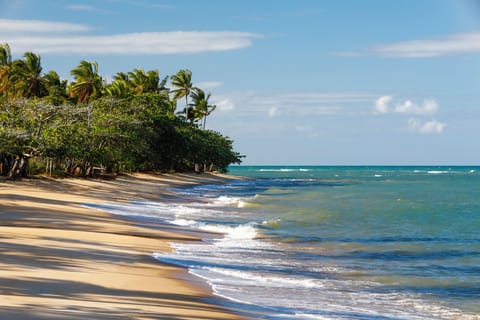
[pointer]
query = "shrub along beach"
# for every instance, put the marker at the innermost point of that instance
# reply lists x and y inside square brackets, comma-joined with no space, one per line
[131,124]
[62,260]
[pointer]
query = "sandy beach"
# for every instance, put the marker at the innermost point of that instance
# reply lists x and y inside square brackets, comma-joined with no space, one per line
[61,260]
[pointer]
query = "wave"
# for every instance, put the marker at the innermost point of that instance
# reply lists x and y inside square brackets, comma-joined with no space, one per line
[273,224]
[284,170]
[229,201]
[254,278]
[290,296]
[241,232]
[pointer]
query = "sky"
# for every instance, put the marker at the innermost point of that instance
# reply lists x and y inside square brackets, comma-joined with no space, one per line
[295,82]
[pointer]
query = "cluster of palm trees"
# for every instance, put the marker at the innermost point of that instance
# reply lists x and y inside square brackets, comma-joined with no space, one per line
[23,78]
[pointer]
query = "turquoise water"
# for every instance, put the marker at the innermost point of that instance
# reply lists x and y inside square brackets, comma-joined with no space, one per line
[407,230]
[336,242]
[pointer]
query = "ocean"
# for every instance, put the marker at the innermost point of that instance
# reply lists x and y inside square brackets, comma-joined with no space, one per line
[318,242]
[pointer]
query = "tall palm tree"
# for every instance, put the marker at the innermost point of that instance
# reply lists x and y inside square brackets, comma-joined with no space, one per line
[28,76]
[182,81]
[121,76]
[55,86]
[138,80]
[119,89]
[88,83]
[143,82]
[5,69]
[200,103]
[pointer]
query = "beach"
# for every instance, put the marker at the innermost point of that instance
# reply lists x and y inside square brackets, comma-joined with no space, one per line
[60,259]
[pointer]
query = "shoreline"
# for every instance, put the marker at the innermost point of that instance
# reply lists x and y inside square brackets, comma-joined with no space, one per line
[62,259]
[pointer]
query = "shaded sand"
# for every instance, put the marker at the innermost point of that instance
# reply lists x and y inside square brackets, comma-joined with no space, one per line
[59,260]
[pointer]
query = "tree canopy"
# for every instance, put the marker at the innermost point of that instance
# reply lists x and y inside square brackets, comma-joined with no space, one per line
[131,124]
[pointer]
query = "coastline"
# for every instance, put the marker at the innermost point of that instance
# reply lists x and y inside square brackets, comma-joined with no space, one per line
[62,259]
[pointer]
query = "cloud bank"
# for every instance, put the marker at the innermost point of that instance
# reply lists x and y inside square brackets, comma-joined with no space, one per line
[428,107]
[462,43]
[18,34]
[453,44]
[432,126]
[39,26]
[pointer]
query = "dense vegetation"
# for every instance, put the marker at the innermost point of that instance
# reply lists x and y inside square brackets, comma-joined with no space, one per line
[131,124]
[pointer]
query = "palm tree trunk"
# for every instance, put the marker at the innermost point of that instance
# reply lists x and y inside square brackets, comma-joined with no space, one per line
[186,108]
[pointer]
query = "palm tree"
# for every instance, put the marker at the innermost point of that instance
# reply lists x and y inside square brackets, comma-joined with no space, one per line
[28,76]
[5,69]
[143,82]
[200,103]
[182,81]
[88,83]
[121,76]
[119,89]
[138,80]
[55,86]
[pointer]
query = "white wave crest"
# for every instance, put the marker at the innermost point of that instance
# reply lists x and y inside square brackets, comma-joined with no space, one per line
[271,281]
[437,172]
[242,232]
[284,170]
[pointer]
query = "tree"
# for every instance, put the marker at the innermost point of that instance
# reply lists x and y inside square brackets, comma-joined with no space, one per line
[57,89]
[28,78]
[88,83]
[182,81]
[146,82]
[118,89]
[200,103]
[5,69]
[139,81]
[134,127]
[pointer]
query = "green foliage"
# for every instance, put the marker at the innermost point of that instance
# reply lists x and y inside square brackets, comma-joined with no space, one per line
[127,125]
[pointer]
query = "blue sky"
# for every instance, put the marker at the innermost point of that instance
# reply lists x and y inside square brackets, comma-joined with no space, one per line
[295,81]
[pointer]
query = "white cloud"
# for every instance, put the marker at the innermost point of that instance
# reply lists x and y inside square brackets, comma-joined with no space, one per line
[38,26]
[381,104]
[408,107]
[452,44]
[224,104]
[432,126]
[428,107]
[135,43]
